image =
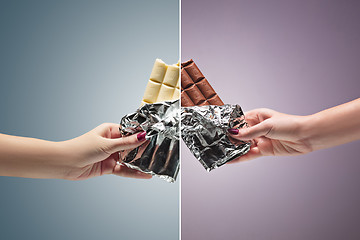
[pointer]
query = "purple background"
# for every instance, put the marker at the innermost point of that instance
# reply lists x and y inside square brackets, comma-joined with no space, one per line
[297,57]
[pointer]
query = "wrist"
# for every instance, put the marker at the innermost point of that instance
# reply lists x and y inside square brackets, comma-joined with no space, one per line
[309,131]
[64,158]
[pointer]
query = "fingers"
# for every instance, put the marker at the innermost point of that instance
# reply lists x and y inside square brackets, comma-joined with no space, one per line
[256,116]
[108,164]
[124,171]
[108,130]
[253,153]
[125,143]
[115,131]
[265,112]
[258,130]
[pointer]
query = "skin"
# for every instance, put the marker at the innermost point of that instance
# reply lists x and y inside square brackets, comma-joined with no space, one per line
[96,152]
[93,154]
[279,134]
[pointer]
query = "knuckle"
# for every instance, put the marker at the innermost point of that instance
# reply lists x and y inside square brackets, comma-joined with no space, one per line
[262,109]
[105,125]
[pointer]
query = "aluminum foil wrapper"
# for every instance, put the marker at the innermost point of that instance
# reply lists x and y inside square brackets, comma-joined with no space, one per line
[204,131]
[160,155]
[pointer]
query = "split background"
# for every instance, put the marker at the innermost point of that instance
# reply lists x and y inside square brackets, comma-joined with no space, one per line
[296,57]
[67,66]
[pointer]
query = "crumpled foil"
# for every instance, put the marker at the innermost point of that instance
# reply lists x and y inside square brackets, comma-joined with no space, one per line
[160,155]
[204,131]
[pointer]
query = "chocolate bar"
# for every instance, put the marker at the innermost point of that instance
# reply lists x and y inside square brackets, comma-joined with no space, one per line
[163,84]
[195,88]
[159,116]
[205,120]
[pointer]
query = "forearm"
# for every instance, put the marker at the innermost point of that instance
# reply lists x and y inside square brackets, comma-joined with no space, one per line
[334,126]
[32,158]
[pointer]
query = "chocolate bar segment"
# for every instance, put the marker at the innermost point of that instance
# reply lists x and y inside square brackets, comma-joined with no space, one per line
[195,88]
[193,71]
[206,88]
[163,84]
[215,100]
[186,80]
[195,95]
[185,100]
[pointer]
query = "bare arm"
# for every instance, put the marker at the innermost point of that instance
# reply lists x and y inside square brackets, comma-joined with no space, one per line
[29,157]
[275,133]
[334,126]
[92,154]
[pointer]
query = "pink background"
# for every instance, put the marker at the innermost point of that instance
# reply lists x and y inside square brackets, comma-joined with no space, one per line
[296,57]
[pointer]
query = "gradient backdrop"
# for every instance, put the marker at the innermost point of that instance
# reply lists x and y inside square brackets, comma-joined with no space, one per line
[297,57]
[66,67]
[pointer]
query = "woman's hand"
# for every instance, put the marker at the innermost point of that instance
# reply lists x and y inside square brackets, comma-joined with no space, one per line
[92,154]
[273,134]
[96,153]
[278,134]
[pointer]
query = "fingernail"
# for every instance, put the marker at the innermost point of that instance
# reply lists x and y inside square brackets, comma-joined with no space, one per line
[233,131]
[141,136]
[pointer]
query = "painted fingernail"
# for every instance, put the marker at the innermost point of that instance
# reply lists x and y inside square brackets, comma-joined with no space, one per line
[141,136]
[233,131]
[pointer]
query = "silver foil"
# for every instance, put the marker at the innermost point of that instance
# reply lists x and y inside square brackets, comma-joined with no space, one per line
[204,131]
[160,155]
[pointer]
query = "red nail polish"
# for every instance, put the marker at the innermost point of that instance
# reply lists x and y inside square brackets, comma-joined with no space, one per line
[233,131]
[141,136]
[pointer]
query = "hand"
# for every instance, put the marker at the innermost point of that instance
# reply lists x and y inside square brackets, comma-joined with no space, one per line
[92,154]
[273,134]
[277,134]
[96,153]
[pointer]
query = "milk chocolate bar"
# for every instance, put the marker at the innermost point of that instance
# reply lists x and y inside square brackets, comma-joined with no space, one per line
[195,88]
[163,84]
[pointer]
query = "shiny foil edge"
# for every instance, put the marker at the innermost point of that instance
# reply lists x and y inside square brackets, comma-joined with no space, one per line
[154,132]
[236,119]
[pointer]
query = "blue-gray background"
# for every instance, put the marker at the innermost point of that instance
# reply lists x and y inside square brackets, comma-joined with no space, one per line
[66,67]
[297,57]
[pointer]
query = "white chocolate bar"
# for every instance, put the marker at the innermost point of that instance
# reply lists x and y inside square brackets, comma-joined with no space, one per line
[158,71]
[151,91]
[163,84]
[171,76]
[178,85]
[176,94]
[166,93]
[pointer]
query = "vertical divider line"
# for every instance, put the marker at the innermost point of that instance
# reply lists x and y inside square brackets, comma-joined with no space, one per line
[180,177]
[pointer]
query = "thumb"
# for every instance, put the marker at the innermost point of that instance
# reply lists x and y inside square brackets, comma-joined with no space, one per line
[258,130]
[125,143]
